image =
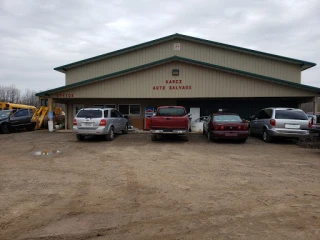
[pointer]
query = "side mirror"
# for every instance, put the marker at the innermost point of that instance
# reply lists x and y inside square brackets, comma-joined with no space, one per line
[125,117]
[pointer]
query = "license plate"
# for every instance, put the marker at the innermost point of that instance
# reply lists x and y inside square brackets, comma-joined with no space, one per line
[231,134]
[294,126]
[87,124]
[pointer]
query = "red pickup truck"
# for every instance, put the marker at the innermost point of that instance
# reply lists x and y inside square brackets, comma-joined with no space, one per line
[170,120]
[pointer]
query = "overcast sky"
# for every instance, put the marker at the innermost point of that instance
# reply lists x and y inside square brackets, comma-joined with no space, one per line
[38,35]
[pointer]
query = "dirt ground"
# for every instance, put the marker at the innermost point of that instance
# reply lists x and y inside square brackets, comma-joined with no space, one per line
[132,188]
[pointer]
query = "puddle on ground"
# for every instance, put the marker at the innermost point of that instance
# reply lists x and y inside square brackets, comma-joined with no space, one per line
[46,152]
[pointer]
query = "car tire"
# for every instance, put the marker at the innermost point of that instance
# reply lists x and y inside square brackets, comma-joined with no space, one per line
[125,131]
[203,132]
[266,136]
[31,127]
[5,129]
[110,135]
[80,137]
[242,140]
[154,137]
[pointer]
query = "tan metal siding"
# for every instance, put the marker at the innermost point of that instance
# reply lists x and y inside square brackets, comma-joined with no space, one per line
[192,50]
[205,83]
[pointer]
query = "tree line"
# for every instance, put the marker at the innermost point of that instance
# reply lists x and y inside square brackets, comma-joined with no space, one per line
[14,95]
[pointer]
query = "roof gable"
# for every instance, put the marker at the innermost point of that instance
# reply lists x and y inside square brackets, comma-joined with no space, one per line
[185,60]
[303,64]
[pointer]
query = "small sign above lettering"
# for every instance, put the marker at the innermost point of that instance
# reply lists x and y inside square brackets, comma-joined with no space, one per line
[176,46]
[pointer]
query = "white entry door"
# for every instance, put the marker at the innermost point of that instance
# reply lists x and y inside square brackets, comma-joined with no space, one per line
[195,113]
[76,108]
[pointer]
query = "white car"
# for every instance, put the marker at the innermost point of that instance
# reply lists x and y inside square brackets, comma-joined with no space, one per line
[197,125]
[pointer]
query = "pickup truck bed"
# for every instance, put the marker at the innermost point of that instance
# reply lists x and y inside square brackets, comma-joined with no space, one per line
[169,120]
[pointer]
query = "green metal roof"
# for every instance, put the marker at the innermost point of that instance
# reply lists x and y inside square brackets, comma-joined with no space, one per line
[303,64]
[185,60]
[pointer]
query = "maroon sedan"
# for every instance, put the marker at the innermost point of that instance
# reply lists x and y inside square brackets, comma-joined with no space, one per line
[225,126]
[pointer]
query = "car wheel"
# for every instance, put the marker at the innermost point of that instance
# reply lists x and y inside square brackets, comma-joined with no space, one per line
[125,131]
[32,127]
[209,136]
[5,129]
[242,140]
[110,136]
[203,132]
[80,137]
[154,137]
[266,136]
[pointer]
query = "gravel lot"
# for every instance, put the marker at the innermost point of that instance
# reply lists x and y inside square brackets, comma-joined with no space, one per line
[133,188]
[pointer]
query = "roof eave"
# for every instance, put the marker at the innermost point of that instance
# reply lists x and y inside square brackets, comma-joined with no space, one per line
[308,65]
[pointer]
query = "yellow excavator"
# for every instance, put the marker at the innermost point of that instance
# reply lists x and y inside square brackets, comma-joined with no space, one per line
[38,114]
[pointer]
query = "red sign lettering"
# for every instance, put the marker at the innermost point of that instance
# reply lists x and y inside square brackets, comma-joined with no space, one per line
[65,95]
[159,87]
[173,87]
[173,81]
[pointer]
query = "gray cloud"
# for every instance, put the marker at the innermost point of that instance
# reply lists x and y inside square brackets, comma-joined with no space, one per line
[37,36]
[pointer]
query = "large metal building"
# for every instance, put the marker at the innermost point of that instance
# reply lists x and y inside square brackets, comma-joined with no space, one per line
[201,75]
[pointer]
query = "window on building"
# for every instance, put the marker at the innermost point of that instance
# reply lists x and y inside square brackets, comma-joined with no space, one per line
[124,109]
[135,109]
[110,106]
[105,105]
[129,109]
[98,106]
[44,102]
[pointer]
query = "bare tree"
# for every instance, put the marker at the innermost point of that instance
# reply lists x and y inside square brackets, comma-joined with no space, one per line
[29,98]
[10,94]
[3,94]
[13,95]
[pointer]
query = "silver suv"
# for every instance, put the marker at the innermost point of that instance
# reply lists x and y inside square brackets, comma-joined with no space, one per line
[99,121]
[279,122]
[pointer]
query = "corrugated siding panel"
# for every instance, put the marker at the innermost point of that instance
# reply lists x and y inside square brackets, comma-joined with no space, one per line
[192,50]
[205,83]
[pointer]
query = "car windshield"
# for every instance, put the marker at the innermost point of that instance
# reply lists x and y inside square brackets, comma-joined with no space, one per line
[89,114]
[171,112]
[291,114]
[227,118]
[4,114]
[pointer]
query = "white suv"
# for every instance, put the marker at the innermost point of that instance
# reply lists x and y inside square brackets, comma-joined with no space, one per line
[279,122]
[99,121]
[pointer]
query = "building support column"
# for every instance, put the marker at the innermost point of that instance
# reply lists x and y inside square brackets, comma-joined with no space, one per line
[66,116]
[315,105]
[50,105]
